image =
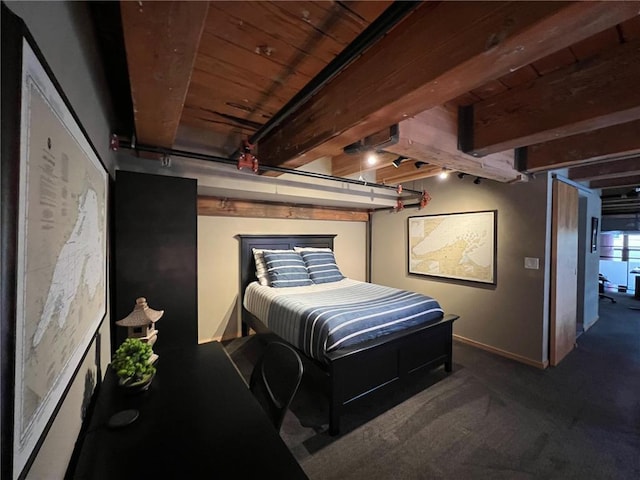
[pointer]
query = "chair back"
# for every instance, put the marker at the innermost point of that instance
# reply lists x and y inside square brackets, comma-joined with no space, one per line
[275,379]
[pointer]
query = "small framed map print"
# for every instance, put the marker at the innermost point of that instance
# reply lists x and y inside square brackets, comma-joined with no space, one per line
[594,234]
[460,246]
[56,282]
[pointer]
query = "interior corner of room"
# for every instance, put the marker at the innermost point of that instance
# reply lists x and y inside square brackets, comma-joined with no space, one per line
[269,134]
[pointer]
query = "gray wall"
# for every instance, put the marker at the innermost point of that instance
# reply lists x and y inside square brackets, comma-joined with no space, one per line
[588,285]
[509,317]
[63,32]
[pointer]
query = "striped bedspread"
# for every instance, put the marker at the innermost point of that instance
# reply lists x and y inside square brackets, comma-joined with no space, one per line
[326,317]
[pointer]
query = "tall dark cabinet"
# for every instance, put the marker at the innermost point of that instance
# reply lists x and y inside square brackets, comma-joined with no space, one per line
[155,254]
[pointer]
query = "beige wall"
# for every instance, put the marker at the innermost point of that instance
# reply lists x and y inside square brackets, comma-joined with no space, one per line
[219,257]
[54,455]
[509,316]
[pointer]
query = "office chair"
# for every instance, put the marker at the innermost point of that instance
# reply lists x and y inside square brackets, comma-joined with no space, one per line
[275,379]
[601,282]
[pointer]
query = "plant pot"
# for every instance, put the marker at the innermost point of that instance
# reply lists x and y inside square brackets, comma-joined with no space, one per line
[130,387]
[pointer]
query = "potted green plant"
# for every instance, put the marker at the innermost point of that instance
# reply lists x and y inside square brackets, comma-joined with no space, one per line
[133,364]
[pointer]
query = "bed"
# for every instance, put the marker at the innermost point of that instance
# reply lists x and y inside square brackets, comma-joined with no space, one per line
[359,365]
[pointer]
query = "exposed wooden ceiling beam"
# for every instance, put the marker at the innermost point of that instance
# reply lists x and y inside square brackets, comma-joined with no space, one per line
[632,208]
[603,170]
[345,165]
[431,136]
[614,141]
[161,40]
[620,200]
[228,207]
[469,44]
[628,181]
[406,172]
[622,203]
[580,98]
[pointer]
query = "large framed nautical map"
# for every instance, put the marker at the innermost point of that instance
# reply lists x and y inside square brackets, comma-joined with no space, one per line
[60,269]
[459,246]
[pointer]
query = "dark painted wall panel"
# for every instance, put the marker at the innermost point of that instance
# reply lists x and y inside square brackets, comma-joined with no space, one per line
[155,254]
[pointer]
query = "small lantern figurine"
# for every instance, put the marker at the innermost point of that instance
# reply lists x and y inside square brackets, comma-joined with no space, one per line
[141,322]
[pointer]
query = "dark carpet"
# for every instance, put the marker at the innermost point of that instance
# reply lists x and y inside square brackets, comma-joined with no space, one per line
[490,418]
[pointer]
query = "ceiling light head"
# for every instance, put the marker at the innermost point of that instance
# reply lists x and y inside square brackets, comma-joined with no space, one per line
[477,180]
[461,174]
[372,159]
[419,164]
[444,174]
[396,163]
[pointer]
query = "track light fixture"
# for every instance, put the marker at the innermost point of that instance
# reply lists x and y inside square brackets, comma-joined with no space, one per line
[444,173]
[461,175]
[477,180]
[396,163]
[419,164]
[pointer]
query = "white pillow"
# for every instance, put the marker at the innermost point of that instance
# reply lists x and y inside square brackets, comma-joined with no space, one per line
[261,266]
[312,249]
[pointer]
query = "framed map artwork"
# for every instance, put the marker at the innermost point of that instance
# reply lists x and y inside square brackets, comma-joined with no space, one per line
[56,283]
[459,246]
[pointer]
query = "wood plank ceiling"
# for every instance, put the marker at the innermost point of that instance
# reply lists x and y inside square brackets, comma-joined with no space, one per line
[498,90]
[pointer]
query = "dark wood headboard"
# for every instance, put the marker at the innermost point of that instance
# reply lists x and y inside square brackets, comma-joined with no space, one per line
[275,242]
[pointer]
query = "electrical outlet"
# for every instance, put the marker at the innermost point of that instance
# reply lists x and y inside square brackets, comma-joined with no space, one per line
[531,263]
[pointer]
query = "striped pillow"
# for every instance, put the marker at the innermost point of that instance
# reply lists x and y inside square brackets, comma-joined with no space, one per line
[322,266]
[286,269]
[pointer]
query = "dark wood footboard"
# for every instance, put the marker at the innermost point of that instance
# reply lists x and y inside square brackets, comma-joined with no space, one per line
[360,371]
[380,363]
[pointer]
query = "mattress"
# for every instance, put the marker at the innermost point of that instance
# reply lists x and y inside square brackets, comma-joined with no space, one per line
[321,318]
